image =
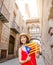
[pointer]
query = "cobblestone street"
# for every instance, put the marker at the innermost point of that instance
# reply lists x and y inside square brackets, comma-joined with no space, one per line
[15,62]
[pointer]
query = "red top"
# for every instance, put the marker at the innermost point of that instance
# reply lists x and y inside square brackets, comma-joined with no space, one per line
[32,61]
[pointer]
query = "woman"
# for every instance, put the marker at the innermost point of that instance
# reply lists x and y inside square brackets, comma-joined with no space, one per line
[24,58]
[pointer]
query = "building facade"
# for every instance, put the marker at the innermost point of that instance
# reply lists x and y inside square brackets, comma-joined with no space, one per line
[10,18]
[34,28]
[47,32]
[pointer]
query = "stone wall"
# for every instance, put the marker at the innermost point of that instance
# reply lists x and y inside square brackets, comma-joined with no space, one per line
[46,48]
[5,29]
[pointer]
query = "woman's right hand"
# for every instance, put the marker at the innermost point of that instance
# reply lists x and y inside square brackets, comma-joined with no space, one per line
[28,58]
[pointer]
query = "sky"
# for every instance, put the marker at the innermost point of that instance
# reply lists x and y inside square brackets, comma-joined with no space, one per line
[28,8]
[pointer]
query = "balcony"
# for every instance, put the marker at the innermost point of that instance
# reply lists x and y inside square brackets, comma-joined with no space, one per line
[4,13]
[15,27]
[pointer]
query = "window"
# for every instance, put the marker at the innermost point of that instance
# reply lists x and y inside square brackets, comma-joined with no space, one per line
[37,29]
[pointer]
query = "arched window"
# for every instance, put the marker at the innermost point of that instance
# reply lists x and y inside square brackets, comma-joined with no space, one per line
[37,29]
[34,29]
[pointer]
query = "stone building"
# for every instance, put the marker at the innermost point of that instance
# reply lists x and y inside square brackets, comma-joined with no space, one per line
[46,28]
[47,32]
[10,18]
[34,28]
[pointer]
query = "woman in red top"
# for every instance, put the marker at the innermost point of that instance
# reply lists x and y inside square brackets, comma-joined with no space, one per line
[24,57]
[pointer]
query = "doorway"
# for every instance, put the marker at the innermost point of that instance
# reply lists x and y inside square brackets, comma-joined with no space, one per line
[11,45]
[3,53]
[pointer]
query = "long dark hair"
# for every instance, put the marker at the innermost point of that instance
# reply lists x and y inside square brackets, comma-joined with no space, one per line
[27,41]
